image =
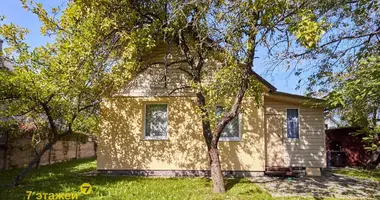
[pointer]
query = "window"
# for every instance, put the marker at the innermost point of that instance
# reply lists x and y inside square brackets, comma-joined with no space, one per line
[231,131]
[156,121]
[335,146]
[292,123]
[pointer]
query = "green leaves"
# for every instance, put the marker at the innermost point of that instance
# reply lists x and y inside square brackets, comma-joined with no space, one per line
[306,28]
[360,90]
[90,59]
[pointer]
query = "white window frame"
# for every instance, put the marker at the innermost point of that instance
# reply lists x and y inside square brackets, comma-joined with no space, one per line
[299,124]
[167,128]
[233,139]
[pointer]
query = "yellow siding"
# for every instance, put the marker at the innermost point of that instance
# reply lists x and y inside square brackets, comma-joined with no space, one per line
[309,149]
[122,144]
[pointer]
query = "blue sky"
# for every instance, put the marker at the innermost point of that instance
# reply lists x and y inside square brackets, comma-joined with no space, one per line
[284,80]
[13,12]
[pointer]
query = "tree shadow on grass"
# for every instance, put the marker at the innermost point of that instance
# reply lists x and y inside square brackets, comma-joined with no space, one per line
[229,183]
[55,170]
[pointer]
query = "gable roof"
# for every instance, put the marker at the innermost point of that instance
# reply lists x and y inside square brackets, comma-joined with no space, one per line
[149,81]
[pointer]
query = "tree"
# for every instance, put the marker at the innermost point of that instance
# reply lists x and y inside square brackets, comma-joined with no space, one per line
[61,84]
[356,96]
[353,34]
[227,31]
[346,67]
[231,31]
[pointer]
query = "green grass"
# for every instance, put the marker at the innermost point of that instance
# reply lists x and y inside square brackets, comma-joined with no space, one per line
[373,175]
[66,178]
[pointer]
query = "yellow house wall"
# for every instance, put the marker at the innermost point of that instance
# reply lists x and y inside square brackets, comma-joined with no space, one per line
[309,149]
[122,145]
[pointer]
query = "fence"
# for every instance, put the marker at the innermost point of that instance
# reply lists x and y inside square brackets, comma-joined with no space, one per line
[20,152]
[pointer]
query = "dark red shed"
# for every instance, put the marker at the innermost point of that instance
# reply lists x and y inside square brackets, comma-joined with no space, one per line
[344,148]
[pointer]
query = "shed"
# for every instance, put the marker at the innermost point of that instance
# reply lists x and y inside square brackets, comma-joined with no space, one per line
[345,148]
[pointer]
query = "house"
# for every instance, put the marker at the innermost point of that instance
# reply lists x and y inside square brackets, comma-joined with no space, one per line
[345,148]
[334,120]
[152,128]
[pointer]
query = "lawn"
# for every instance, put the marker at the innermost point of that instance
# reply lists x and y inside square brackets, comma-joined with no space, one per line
[67,178]
[373,175]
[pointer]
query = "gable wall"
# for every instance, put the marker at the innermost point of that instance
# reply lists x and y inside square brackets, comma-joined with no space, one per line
[151,82]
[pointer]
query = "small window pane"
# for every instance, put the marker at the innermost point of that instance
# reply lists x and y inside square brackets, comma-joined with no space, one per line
[231,130]
[292,123]
[156,120]
[335,146]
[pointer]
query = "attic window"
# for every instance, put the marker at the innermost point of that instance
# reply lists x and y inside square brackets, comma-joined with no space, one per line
[156,121]
[231,131]
[292,123]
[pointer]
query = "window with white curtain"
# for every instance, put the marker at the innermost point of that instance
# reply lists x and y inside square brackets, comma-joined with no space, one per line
[231,131]
[156,121]
[292,123]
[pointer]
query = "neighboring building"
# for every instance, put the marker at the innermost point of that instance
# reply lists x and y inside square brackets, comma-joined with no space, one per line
[345,148]
[334,120]
[151,128]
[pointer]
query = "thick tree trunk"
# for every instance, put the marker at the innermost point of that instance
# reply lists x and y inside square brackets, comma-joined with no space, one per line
[212,146]
[216,171]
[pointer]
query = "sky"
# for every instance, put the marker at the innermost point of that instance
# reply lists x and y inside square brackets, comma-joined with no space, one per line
[282,79]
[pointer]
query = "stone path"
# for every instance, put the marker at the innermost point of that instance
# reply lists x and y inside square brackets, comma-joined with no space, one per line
[328,185]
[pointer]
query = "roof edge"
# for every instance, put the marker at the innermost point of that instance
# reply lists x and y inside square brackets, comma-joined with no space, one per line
[265,82]
[297,96]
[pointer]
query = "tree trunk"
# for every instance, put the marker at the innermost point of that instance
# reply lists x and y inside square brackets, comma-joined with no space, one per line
[47,147]
[39,160]
[22,175]
[216,171]
[212,146]
[212,137]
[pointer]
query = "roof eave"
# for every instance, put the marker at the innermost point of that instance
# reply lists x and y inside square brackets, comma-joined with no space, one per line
[265,82]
